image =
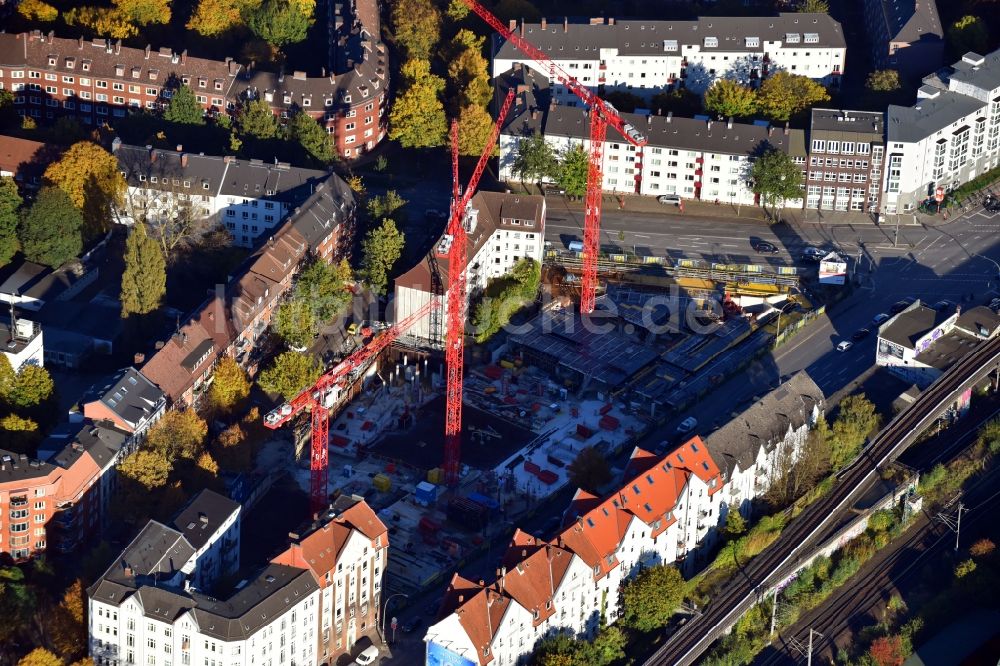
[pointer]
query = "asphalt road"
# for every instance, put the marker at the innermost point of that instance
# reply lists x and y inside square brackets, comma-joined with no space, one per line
[953,261]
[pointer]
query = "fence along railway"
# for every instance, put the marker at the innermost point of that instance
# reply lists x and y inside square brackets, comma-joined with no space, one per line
[755,580]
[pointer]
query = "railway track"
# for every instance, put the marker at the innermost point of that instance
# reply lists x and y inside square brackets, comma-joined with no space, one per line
[690,641]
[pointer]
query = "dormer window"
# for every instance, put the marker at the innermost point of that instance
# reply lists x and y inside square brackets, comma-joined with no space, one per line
[711,42]
[218,84]
[202,83]
[811,38]
[70,63]
[119,70]
[52,61]
[328,101]
[86,65]
[136,72]
[306,101]
[186,80]
[153,73]
[287,99]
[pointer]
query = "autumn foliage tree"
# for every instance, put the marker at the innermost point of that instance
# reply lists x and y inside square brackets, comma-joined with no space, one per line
[652,597]
[40,657]
[179,434]
[90,176]
[475,125]
[887,651]
[37,10]
[230,385]
[730,99]
[214,17]
[783,95]
[416,25]
[417,119]
[66,623]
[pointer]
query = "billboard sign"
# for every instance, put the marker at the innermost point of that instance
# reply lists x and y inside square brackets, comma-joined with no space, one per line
[832,269]
[438,655]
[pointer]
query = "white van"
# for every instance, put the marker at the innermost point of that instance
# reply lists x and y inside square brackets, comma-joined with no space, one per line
[671,199]
[575,246]
[367,657]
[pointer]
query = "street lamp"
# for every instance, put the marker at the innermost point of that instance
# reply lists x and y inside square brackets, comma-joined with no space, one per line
[385,607]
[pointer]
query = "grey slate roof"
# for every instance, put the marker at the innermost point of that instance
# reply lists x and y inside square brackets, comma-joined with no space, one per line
[157,553]
[979,317]
[911,20]
[909,124]
[911,324]
[203,515]
[255,178]
[331,203]
[129,394]
[276,589]
[869,124]
[584,41]
[763,424]
[16,467]
[985,75]
[101,440]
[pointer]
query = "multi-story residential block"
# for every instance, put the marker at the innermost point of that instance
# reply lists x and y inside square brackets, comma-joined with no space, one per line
[346,551]
[152,606]
[502,229]
[28,489]
[846,153]
[920,343]
[22,342]
[570,584]
[694,158]
[905,36]
[754,448]
[649,57]
[98,81]
[250,198]
[950,135]
[128,399]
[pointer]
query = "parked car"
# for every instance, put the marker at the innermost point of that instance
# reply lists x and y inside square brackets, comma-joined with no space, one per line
[552,190]
[367,656]
[687,425]
[575,246]
[880,318]
[899,306]
[813,254]
[860,334]
[845,346]
[763,247]
[669,199]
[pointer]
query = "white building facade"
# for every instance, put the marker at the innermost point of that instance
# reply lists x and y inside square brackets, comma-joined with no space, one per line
[650,57]
[949,136]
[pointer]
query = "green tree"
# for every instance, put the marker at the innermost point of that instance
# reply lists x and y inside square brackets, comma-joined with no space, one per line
[304,130]
[883,80]
[534,160]
[468,72]
[856,420]
[417,119]
[32,386]
[148,468]
[256,120]
[783,95]
[589,470]
[814,7]
[417,27]
[730,99]
[184,108]
[295,323]
[278,22]
[968,33]
[180,433]
[608,647]
[475,126]
[91,177]
[7,377]
[230,385]
[380,250]
[323,287]
[776,178]
[390,205]
[144,281]
[289,373]
[572,171]
[652,597]
[49,231]
[10,201]
[457,10]
[557,650]
[735,524]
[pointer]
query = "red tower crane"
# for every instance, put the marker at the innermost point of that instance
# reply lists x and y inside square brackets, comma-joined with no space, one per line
[315,398]
[458,296]
[602,114]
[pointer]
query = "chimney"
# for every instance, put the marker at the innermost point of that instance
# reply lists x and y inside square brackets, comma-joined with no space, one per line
[709,123]
[180,148]
[729,123]
[512,25]
[184,160]
[184,56]
[52,36]
[786,129]
[770,130]
[147,51]
[544,23]
[461,598]
[139,358]
[152,155]
[79,45]
[649,120]
[522,27]
[565,24]
[118,47]
[611,20]
[670,116]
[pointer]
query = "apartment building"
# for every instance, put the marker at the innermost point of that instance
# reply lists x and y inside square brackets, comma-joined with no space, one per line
[99,80]
[948,136]
[920,343]
[25,160]
[154,604]
[846,154]
[501,230]
[573,582]
[250,198]
[650,57]
[346,551]
[128,399]
[754,448]
[694,158]
[905,36]
[22,342]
